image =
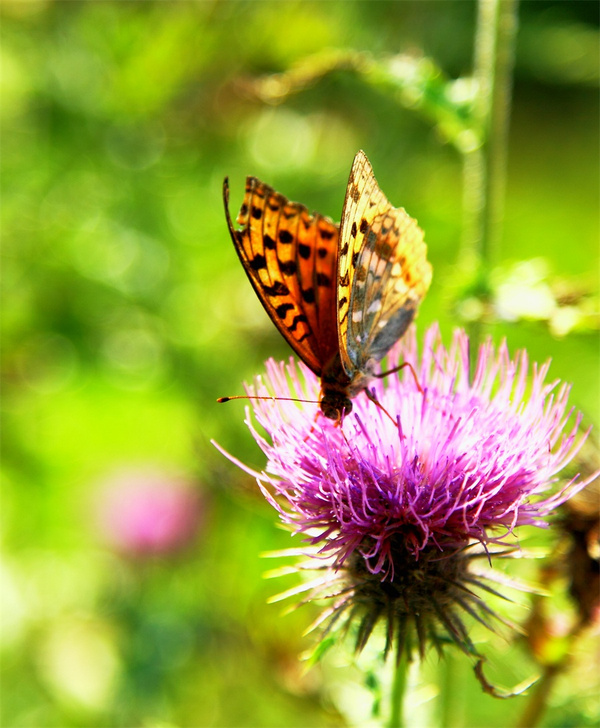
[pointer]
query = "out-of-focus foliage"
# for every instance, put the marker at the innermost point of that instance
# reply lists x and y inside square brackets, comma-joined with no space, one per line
[126,313]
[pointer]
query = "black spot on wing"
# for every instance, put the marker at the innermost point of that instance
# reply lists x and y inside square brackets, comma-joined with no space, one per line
[289,267]
[282,309]
[304,251]
[354,230]
[323,280]
[363,226]
[257,213]
[268,242]
[326,234]
[308,294]
[258,262]
[277,289]
[384,250]
[301,318]
[285,236]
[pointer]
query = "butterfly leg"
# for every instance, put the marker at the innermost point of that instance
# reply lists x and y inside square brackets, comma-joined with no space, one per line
[397,369]
[375,401]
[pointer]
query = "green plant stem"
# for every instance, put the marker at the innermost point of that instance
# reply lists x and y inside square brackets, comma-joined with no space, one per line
[399,689]
[486,164]
[538,700]
[484,170]
[536,706]
[451,700]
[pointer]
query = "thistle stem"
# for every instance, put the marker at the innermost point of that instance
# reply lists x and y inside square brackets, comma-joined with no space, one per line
[399,688]
[484,170]
[485,164]
[539,698]
[451,701]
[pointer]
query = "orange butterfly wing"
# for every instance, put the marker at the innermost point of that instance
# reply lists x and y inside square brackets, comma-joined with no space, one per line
[290,257]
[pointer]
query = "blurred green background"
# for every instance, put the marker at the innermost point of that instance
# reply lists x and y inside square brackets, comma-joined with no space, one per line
[126,314]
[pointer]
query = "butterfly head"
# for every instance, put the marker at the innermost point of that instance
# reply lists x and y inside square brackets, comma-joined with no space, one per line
[335,404]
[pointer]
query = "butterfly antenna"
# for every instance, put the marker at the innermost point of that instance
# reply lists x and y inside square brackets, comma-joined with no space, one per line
[397,369]
[220,400]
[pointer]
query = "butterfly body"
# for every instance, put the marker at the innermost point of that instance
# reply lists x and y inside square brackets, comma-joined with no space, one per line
[340,295]
[338,387]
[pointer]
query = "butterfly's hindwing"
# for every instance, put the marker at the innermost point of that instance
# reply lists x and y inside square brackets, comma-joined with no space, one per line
[396,277]
[383,270]
[364,201]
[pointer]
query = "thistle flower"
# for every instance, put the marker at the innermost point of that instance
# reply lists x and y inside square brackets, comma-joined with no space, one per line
[398,512]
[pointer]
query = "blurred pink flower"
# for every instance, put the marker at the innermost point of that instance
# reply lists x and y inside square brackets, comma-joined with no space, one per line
[146,511]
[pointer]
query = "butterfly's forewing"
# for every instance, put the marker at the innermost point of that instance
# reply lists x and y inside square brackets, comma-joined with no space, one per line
[383,270]
[290,258]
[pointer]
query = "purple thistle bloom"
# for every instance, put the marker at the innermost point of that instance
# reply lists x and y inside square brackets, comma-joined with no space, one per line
[391,508]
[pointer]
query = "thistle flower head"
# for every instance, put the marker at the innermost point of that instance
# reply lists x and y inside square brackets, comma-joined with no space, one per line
[394,509]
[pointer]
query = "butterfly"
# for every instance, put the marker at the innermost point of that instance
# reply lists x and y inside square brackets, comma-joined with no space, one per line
[341,295]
